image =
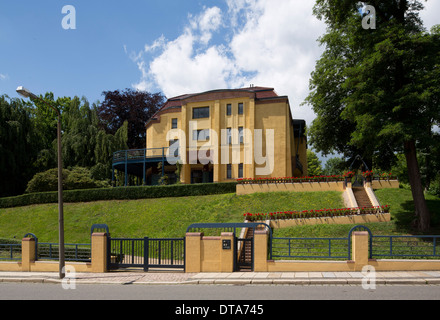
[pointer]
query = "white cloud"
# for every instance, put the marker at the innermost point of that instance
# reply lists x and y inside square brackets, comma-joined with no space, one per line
[207,22]
[278,43]
[3,76]
[181,69]
[264,44]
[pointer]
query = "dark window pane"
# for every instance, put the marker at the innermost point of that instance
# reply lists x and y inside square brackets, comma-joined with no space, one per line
[240,108]
[199,113]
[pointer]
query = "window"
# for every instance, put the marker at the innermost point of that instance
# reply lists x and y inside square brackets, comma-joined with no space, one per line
[200,113]
[201,135]
[228,171]
[228,109]
[228,135]
[174,123]
[240,170]
[240,108]
[196,176]
[174,148]
[240,135]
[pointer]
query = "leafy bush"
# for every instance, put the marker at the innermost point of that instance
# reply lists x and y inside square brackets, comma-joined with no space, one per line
[76,178]
[434,188]
[121,193]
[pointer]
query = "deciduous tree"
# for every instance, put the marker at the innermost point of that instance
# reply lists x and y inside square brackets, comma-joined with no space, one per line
[135,107]
[377,90]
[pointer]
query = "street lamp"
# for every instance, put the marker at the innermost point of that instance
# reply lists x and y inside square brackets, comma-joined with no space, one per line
[27,94]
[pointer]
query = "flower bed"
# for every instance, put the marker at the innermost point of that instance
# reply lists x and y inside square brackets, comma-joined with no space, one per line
[383,176]
[370,175]
[283,215]
[291,179]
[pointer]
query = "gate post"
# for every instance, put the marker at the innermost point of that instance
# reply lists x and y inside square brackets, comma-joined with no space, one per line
[27,253]
[99,252]
[193,252]
[360,249]
[227,254]
[260,250]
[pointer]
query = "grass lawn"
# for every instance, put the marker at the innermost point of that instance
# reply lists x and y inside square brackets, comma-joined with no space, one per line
[402,208]
[164,217]
[170,217]
[402,215]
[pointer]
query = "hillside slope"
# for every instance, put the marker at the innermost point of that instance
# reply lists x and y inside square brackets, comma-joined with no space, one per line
[164,217]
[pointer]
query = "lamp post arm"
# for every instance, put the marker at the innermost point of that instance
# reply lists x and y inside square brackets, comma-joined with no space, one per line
[34,97]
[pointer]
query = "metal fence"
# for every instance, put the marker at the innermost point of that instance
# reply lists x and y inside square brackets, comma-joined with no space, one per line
[72,252]
[142,154]
[309,248]
[389,247]
[398,247]
[166,253]
[126,252]
[10,251]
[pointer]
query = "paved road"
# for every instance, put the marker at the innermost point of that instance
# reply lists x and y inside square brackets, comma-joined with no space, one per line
[231,293]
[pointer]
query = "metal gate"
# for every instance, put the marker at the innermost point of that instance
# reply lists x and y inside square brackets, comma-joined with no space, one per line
[243,245]
[245,254]
[146,253]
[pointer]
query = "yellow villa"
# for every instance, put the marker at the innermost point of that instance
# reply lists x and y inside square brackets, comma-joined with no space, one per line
[220,135]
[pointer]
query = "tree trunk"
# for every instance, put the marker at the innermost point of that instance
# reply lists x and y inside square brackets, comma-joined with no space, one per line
[421,209]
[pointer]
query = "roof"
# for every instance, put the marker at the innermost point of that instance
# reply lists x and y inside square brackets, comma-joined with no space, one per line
[257,93]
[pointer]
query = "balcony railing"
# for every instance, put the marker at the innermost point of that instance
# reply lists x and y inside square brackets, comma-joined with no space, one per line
[145,154]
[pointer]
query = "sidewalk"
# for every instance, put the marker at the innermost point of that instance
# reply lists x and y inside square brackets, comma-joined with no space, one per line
[236,278]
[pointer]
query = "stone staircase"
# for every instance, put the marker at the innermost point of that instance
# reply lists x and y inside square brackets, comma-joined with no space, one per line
[245,258]
[361,197]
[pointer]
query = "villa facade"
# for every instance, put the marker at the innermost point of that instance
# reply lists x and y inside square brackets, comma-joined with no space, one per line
[224,135]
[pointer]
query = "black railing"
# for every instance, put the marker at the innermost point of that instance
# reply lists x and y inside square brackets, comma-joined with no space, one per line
[145,154]
[72,252]
[146,253]
[423,246]
[10,251]
[309,248]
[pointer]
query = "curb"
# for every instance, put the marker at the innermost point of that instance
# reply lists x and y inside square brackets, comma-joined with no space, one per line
[237,282]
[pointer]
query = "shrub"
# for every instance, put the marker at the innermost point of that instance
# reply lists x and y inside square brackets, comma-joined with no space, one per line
[76,178]
[434,188]
[120,193]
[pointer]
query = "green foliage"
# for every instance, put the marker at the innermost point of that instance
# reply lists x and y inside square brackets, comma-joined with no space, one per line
[434,188]
[402,209]
[159,217]
[376,92]
[125,193]
[77,178]
[19,145]
[374,89]
[334,166]
[28,140]
[314,167]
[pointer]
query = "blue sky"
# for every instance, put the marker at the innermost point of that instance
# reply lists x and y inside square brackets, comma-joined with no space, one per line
[172,46]
[38,53]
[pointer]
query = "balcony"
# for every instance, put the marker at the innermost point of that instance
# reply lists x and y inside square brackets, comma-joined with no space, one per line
[137,162]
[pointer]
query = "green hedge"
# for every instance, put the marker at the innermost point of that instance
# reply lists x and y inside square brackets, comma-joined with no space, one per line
[120,193]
